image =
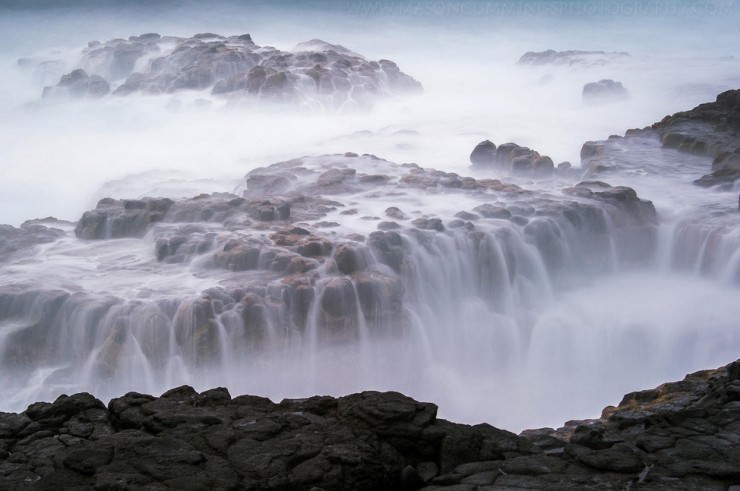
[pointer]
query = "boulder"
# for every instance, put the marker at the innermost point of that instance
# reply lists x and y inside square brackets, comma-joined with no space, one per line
[351,257]
[388,248]
[484,154]
[511,159]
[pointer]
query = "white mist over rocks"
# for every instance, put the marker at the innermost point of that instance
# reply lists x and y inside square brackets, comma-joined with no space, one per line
[556,346]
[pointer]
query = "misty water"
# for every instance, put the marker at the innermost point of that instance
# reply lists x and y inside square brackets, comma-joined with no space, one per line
[545,347]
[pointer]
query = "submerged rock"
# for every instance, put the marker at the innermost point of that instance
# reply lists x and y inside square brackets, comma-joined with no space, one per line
[570,57]
[678,435]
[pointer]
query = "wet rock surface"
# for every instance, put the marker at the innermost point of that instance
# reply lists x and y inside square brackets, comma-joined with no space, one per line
[20,240]
[678,435]
[121,218]
[233,67]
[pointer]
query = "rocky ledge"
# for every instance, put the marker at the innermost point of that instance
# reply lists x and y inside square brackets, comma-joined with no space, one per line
[232,66]
[679,435]
[708,130]
[711,129]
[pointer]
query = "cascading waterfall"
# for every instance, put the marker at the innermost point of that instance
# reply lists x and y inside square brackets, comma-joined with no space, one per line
[706,249]
[477,304]
[496,303]
[494,300]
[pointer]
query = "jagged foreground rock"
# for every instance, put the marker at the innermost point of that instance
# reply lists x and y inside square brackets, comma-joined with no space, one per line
[233,66]
[681,435]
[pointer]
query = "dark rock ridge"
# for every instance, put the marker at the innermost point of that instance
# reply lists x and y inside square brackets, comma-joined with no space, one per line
[603,91]
[681,435]
[232,66]
[510,158]
[570,57]
[709,130]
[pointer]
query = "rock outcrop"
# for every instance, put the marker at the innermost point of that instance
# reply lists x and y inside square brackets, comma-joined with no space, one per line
[510,158]
[570,57]
[234,67]
[678,435]
[709,130]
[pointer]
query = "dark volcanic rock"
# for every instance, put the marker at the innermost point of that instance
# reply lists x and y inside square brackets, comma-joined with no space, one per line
[233,66]
[680,435]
